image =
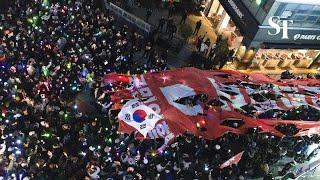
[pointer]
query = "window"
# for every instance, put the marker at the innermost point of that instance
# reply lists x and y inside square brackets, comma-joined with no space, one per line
[312,19]
[267,6]
[281,8]
[286,14]
[299,17]
[247,3]
[291,7]
[303,15]
[316,10]
[258,8]
[303,9]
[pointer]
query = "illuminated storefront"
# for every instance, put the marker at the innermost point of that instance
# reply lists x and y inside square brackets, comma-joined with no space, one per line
[282,34]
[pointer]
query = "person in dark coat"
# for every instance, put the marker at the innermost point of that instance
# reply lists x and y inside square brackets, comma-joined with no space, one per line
[148,15]
[184,17]
[172,31]
[161,23]
[197,28]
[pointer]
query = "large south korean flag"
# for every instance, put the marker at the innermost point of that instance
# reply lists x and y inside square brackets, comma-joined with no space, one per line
[139,116]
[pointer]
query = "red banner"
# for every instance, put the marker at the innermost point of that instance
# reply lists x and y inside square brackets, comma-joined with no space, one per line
[234,160]
[212,103]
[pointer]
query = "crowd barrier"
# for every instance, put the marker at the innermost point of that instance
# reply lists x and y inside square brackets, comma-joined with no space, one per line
[141,24]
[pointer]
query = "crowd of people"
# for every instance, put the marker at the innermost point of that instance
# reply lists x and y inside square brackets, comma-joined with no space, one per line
[288,75]
[52,52]
[49,53]
[211,55]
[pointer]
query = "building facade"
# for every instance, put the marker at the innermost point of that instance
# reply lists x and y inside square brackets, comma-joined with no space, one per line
[273,33]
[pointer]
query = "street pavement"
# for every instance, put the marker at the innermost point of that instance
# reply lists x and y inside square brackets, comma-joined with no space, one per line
[178,59]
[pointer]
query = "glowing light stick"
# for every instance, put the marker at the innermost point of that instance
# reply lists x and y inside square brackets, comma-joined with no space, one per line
[69,66]
[45,71]
[46,135]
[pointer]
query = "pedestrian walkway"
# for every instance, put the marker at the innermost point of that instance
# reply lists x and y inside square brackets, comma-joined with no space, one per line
[206,27]
[155,16]
[182,57]
[129,18]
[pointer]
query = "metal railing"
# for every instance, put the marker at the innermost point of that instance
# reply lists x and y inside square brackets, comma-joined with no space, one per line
[141,24]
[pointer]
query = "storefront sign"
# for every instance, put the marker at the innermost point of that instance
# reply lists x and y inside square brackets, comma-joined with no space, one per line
[306,37]
[236,9]
[297,38]
[275,25]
